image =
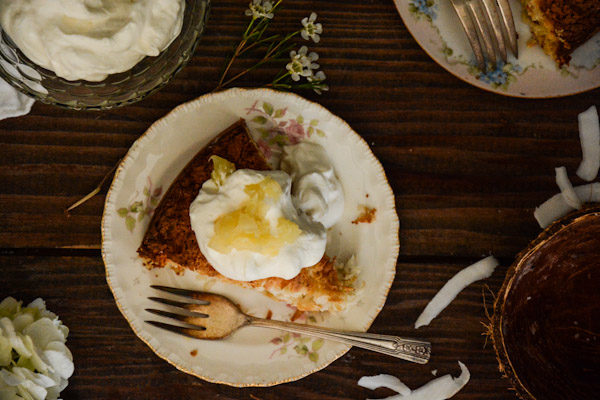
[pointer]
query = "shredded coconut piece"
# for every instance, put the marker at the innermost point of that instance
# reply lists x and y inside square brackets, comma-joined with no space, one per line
[480,270]
[589,134]
[564,184]
[386,381]
[442,388]
[557,207]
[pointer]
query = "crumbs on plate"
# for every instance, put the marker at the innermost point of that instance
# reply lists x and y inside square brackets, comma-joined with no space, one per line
[366,216]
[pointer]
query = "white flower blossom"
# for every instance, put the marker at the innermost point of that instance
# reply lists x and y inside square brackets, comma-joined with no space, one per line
[260,9]
[37,338]
[311,30]
[301,64]
[317,80]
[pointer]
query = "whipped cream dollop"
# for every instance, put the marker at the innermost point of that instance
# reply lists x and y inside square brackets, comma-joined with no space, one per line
[249,231]
[91,39]
[316,191]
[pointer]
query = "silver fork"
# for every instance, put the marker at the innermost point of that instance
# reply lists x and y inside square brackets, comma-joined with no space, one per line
[490,28]
[212,316]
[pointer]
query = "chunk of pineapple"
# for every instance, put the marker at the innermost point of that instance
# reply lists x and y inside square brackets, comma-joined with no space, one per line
[247,228]
[221,169]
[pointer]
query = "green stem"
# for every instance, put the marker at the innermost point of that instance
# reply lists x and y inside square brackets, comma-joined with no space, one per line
[281,77]
[259,42]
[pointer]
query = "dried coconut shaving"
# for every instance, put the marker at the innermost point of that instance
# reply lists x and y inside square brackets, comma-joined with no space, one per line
[442,388]
[475,272]
[566,188]
[557,207]
[589,133]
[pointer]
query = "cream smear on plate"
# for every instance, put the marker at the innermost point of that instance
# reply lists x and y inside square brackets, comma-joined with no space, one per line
[91,39]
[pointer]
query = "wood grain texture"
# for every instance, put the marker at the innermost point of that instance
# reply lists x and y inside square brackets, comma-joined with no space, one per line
[467,168]
[112,363]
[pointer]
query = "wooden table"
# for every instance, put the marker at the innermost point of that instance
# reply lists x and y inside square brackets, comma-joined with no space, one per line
[467,168]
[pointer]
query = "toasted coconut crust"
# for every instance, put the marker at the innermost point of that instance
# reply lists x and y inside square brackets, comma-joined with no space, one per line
[523,265]
[170,241]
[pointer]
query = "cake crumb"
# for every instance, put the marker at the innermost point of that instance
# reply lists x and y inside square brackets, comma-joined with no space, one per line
[269,314]
[297,314]
[194,353]
[367,215]
[179,270]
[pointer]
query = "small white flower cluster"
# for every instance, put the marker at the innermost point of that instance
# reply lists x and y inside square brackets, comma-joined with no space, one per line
[311,30]
[35,363]
[260,9]
[303,64]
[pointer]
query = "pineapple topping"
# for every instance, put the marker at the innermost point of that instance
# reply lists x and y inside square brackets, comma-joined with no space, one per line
[247,228]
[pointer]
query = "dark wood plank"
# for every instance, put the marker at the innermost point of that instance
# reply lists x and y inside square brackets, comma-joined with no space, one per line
[111,362]
[467,166]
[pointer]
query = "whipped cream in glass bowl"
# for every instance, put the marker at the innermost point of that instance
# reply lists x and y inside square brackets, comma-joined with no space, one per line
[96,54]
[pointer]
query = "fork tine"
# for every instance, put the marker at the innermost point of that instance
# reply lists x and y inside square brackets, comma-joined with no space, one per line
[169,302]
[182,292]
[480,19]
[190,319]
[189,332]
[491,7]
[470,30]
[509,23]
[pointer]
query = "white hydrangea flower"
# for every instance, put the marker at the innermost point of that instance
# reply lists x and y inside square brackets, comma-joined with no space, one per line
[311,30]
[41,364]
[260,9]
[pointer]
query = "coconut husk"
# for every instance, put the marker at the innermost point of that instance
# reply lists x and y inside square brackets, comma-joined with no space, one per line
[546,322]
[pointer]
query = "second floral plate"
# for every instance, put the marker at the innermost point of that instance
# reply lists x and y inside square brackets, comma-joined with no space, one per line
[252,356]
[435,26]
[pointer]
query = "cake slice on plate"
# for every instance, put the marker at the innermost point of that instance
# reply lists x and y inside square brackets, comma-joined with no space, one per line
[171,242]
[560,26]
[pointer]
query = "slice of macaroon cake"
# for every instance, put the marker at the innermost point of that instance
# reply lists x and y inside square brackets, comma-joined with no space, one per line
[171,242]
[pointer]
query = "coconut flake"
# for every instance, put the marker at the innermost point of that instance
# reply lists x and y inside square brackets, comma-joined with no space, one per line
[442,388]
[386,381]
[552,209]
[557,207]
[480,270]
[589,134]
[566,188]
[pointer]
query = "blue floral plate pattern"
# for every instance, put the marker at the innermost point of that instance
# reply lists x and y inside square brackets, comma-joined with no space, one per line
[435,27]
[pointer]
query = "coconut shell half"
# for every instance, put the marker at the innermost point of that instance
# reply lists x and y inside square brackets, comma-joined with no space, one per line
[546,323]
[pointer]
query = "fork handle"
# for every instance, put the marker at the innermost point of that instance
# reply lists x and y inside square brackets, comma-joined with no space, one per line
[407,349]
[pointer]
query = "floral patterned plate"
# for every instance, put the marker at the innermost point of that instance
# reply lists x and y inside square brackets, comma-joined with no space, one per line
[252,356]
[435,26]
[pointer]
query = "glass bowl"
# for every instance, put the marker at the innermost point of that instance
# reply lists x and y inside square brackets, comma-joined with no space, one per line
[117,90]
